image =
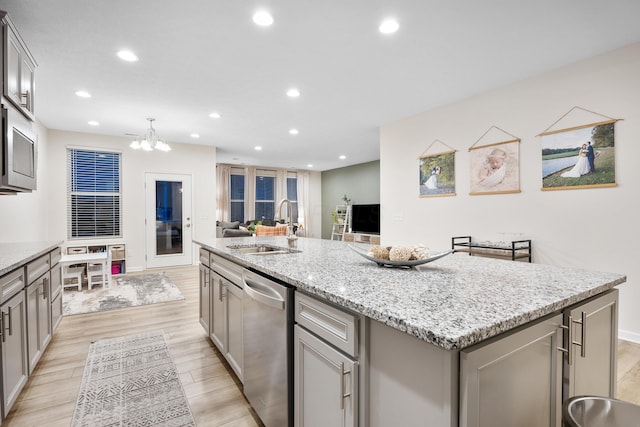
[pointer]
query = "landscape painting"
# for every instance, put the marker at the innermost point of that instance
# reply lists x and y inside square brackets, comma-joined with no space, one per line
[580,157]
[437,175]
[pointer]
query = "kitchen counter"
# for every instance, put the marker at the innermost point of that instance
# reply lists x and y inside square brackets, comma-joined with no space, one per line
[454,302]
[14,255]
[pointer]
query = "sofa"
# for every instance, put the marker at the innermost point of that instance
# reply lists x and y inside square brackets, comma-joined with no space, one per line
[231,229]
[263,227]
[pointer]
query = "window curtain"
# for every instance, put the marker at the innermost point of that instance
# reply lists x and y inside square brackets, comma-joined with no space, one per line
[223,185]
[281,186]
[249,193]
[304,212]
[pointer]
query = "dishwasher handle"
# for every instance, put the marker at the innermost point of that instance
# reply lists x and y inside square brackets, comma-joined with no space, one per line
[262,293]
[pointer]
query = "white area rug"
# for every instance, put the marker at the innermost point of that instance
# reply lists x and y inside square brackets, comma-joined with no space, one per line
[131,381]
[126,291]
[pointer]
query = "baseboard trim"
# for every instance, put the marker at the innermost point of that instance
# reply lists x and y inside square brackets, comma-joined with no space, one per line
[629,336]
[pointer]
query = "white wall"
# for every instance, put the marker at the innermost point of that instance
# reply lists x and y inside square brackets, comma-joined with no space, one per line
[588,228]
[23,216]
[196,160]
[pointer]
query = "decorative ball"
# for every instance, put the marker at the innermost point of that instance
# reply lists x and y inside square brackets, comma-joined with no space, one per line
[419,252]
[379,252]
[400,253]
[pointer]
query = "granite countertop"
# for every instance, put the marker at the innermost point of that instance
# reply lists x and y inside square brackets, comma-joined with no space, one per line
[14,255]
[454,302]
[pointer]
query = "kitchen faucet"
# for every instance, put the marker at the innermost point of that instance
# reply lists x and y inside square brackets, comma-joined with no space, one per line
[279,216]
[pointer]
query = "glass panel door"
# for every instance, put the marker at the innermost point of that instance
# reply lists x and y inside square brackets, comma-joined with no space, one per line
[168,220]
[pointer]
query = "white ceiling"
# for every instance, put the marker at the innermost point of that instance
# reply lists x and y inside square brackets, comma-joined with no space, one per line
[200,56]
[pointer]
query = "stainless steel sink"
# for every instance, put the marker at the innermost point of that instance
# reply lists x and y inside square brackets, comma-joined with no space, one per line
[262,249]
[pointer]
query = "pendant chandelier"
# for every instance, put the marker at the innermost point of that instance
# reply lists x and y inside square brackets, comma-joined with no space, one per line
[150,141]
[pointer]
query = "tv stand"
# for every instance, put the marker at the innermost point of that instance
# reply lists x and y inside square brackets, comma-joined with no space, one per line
[374,239]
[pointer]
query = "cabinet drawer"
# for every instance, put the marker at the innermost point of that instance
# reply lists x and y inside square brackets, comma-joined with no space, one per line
[77,250]
[37,268]
[11,284]
[228,269]
[334,325]
[204,257]
[55,256]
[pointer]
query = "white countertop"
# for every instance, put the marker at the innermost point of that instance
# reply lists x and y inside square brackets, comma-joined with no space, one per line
[14,255]
[454,302]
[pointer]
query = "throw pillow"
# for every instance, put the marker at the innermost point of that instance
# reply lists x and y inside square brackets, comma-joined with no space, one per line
[233,225]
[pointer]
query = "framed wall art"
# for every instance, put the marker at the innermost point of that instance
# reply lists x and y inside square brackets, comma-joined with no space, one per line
[495,163]
[437,172]
[581,156]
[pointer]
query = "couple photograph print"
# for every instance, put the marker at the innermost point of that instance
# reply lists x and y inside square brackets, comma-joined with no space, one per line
[579,157]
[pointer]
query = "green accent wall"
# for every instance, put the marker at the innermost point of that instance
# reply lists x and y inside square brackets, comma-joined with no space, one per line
[361,183]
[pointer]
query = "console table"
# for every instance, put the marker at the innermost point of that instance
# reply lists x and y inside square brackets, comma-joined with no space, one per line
[516,249]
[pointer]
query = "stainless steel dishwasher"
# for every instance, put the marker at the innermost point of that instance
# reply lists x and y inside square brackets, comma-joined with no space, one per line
[268,336]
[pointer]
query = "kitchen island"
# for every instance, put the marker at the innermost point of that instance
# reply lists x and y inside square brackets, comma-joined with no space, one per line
[423,327]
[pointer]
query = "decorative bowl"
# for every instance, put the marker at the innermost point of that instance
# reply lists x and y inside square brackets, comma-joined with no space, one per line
[405,264]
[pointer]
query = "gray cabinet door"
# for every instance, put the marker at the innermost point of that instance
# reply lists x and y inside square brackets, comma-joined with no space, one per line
[515,380]
[205,298]
[217,327]
[592,370]
[234,348]
[15,368]
[38,319]
[325,383]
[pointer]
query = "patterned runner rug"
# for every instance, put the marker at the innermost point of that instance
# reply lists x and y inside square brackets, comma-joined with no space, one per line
[131,381]
[126,291]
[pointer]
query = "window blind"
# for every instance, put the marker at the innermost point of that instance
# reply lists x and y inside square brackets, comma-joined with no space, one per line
[93,193]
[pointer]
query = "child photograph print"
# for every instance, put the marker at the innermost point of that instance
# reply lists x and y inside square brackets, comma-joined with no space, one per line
[580,157]
[437,175]
[495,168]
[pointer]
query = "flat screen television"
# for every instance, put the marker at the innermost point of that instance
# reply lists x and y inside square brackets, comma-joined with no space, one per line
[365,219]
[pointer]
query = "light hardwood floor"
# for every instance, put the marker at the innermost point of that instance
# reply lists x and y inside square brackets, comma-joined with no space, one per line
[215,399]
[214,395]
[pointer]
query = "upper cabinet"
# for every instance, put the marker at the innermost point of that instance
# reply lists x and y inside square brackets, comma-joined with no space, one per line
[18,83]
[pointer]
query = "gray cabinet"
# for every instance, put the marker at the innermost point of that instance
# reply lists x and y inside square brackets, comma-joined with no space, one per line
[56,295]
[325,383]
[205,298]
[515,380]
[326,368]
[591,369]
[15,369]
[523,378]
[233,316]
[30,310]
[19,69]
[38,319]
[226,321]
[217,328]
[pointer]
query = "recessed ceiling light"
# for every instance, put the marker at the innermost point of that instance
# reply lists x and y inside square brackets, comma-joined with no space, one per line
[127,55]
[309,165]
[293,93]
[215,115]
[263,18]
[342,157]
[195,135]
[389,26]
[93,123]
[83,94]
[257,148]
[294,131]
